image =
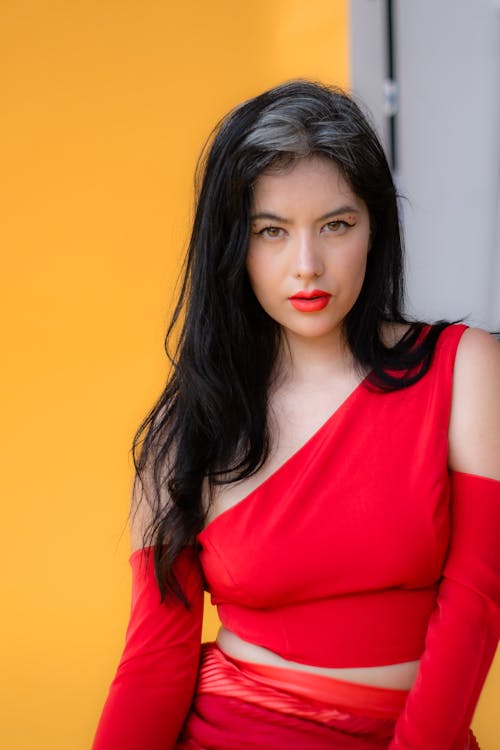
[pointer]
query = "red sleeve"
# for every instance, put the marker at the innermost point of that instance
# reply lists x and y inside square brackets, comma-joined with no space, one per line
[153,687]
[464,628]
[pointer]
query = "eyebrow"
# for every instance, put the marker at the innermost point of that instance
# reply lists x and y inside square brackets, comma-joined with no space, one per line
[283,220]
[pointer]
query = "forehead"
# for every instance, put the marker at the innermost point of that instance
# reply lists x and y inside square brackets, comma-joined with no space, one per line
[312,178]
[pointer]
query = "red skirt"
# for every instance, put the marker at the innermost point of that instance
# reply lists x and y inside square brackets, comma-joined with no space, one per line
[244,706]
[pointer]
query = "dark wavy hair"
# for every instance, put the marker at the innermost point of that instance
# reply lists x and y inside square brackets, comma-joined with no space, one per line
[210,422]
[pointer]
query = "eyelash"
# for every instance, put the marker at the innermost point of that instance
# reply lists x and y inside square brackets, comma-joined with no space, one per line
[341,222]
[264,231]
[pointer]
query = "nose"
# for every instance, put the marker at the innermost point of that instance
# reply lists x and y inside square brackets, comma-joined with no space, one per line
[308,258]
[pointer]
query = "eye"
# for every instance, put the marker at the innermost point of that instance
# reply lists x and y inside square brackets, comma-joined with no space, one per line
[271,232]
[339,226]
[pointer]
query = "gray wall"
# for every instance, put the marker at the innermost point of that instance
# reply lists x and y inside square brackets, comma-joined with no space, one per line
[448,123]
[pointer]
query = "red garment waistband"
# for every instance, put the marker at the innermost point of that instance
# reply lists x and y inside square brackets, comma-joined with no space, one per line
[283,689]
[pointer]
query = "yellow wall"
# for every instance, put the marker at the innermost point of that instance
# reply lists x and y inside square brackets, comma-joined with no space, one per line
[106,105]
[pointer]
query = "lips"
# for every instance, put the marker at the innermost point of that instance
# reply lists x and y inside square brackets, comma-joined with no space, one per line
[310,301]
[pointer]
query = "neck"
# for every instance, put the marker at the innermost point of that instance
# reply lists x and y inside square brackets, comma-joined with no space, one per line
[310,359]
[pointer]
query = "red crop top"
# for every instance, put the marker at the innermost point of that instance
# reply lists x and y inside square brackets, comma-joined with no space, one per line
[346,540]
[360,550]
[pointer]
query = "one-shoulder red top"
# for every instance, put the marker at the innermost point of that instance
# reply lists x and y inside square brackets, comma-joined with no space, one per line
[362,549]
[335,559]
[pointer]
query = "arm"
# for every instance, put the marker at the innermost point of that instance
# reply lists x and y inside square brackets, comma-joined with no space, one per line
[465,626]
[152,690]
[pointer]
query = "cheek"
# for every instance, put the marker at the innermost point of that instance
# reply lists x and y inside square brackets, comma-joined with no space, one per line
[256,277]
[252,269]
[350,277]
[260,270]
[360,271]
[250,260]
[265,282]
[352,265]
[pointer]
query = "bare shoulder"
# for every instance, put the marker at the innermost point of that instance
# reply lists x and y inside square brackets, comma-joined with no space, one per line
[478,362]
[475,415]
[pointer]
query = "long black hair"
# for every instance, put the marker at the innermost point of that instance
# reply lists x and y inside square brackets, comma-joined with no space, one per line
[210,423]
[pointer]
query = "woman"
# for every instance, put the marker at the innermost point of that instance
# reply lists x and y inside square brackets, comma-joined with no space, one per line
[327,469]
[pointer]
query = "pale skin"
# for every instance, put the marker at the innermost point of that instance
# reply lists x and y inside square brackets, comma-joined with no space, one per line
[310,231]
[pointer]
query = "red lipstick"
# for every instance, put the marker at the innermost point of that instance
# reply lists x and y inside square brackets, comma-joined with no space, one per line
[310,301]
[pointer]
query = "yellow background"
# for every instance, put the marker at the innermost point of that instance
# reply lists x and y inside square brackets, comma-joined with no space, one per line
[105,107]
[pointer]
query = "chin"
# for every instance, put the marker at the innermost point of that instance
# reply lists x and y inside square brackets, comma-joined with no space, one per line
[315,332]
